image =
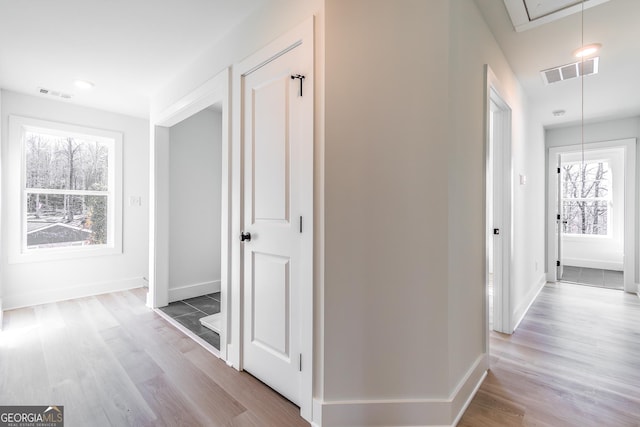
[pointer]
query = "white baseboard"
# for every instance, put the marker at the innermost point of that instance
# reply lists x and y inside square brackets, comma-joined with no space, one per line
[54,295]
[468,387]
[194,290]
[590,263]
[406,412]
[524,306]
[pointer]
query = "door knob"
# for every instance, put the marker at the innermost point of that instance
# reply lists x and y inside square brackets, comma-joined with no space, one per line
[245,236]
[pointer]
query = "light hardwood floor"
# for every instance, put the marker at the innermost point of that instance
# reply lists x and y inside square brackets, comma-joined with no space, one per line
[573,361]
[112,362]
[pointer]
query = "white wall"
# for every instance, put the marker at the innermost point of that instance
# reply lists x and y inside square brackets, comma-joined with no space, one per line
[472,46]
[385,194]
[399,272]
[194,191]
[39,282]
[606,130]
[405,231]
[256,31]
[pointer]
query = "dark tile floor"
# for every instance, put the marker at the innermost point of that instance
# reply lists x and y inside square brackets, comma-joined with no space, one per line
[189,312]
[594,277]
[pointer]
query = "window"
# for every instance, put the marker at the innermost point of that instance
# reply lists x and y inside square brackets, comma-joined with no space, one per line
[70,189]
[586,198]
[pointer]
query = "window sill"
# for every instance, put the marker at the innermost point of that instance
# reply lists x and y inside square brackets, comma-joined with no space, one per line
[583,237]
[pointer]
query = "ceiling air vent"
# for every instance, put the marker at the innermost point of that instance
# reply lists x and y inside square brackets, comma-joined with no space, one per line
[63,95]
[571,71]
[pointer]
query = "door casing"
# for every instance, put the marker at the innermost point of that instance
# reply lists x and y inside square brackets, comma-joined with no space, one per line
[629,264]
[300,37]
[213,91]
[498,140]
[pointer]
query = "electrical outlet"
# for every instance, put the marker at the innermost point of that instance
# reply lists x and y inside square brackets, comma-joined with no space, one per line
[135,201]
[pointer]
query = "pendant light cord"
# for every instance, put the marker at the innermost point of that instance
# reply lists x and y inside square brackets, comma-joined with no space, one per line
[582,89]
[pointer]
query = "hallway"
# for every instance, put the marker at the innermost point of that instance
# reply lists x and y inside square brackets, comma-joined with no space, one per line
[573,361]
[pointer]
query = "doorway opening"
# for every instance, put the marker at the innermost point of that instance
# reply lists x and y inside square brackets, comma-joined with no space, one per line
[195,208]
[189,214]
[592,203]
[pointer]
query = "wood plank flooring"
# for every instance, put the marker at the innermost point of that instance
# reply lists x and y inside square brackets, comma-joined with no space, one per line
[112,362]
[574,361]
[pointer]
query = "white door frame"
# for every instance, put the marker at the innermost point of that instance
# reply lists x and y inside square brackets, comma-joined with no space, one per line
[301,35]
[629,263]
[502,208]
[213,91]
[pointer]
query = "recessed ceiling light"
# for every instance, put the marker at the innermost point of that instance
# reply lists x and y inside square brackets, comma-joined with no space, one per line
[83,84]
[587,50]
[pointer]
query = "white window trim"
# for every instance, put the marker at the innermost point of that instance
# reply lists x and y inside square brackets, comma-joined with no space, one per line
[15,185]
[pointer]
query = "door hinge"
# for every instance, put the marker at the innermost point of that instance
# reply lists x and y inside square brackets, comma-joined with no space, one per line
[558,217]
[558,170]
[300,362]
[301,223]
[557,263]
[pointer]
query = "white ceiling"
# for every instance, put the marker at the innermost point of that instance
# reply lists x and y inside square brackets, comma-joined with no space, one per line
[128,48]
[613,92]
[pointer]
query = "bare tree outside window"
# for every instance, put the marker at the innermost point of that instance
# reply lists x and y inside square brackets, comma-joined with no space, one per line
[66,190]
[586,190]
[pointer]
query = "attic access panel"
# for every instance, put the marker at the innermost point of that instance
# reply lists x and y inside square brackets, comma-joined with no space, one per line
[527,14]
[538,8]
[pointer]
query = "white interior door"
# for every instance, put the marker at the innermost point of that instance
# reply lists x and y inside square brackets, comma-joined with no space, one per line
[496,200]
[277,112]
[499,135]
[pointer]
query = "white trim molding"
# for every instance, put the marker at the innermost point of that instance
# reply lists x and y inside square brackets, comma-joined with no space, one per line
[530,298]
[593,263]
[17,250]
[80,291]
[405,412]
[629,258]
[499,165]
[194,290]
